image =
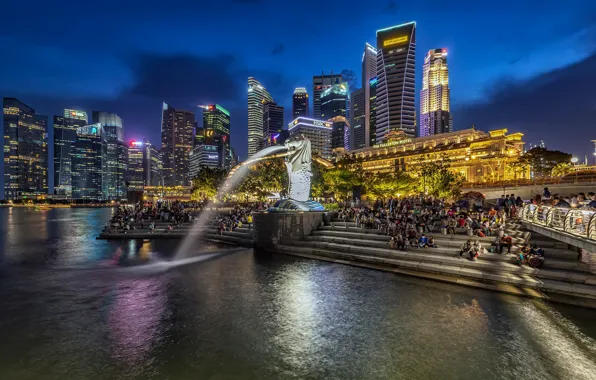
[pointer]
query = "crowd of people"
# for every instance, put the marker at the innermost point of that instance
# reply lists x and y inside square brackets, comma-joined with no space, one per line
[579,200]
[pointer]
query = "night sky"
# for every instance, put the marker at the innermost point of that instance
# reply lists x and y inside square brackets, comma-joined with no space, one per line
[528,68]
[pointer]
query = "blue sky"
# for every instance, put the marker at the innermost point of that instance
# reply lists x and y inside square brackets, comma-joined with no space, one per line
[529,66]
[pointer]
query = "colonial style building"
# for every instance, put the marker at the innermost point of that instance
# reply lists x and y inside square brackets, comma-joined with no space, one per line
[479,156]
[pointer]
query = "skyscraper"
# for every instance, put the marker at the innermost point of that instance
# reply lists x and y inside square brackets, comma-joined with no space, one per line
[320,83]
[88,163]
[435,116]
[176,143]
[373,111]
[273,123]
[334,101]
[65,137]
[340,134]
[369,71]
[216,126]
[358,131]
[25,151]
[257,96]
[396,74]
[300,103]
[116,160]
[144,165]
[317,131]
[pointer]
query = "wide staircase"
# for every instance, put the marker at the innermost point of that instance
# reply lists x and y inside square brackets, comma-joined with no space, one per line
[563,278]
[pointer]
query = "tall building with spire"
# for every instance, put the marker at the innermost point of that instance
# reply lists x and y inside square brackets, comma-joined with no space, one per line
[257,96]
[321,83]
[435,116]
[369,71]
[396,75]
[300,103]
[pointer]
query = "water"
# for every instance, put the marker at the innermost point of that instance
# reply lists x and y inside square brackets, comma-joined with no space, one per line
[228,186]
[72,308]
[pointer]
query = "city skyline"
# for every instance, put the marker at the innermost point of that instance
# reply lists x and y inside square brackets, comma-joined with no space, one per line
[471,79]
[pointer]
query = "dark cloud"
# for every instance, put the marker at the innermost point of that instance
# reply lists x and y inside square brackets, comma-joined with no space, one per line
[185,77]
[392,6]
[554,107]
[278,49]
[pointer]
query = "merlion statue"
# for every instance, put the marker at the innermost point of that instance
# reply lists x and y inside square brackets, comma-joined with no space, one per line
[298,163]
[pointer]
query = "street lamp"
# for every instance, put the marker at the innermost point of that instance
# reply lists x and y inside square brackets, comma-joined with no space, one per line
[574,161]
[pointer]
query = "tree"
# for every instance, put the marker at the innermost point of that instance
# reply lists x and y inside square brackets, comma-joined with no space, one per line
[265,177]
[383,185]
[318,188]
[340,181]
[561,169]
[435,178]
[542,161]
[207,182]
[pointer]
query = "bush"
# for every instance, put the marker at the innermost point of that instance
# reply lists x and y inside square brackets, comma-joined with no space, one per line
[331,206]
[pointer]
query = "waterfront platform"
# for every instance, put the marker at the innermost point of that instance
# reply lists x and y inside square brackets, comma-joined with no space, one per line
[564,278]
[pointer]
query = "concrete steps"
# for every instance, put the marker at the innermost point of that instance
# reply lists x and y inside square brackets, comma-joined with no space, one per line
[581,285]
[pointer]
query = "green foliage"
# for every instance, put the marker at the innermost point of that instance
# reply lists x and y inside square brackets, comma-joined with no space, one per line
[265,177]
[318,188]
[542,161]
[384,185]
[340,181]
[206,183]
[434,177]
[331,206]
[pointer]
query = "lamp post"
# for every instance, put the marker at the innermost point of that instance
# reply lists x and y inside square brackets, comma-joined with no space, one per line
[574,161]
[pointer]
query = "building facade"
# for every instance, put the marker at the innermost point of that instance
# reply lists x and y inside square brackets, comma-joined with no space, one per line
[204,155]
[88,163]
[144,165]
[25,151]
[116,160]
[65,137]
[273,123]
[317,131]
[334,101]
[176,143]
[478,156]
[216,125]
[340,134]
[321,83]
[257,96]
[358,108]
[396,75]
[435,116]
[300,103]
[369,71]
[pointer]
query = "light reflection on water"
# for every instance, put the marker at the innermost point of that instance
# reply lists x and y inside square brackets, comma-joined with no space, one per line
[79,314]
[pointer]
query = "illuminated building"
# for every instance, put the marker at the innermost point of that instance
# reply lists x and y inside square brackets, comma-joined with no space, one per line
[204,155]
[199,136]
[273,123]
[317,131]
[479,156]
[116,160]
[257,96]
[216,125]
[144,165]
[369,71]
[173,193]
[321,83]
[76,115]
[300,103]
[435,117]
[373,112]
[88,163]
[340,134]
[358,118]
[25,151]
[334,101]
[65,136]
[396,75]
[176,143]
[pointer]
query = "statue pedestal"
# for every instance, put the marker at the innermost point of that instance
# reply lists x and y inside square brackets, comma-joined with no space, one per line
[272,228]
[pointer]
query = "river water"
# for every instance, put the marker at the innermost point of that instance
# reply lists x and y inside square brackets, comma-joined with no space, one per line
[72,307]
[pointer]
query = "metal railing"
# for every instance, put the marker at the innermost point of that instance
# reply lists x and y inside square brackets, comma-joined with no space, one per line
[575,221]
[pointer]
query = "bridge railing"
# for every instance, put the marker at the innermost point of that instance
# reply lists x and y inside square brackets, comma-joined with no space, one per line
[574,221]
